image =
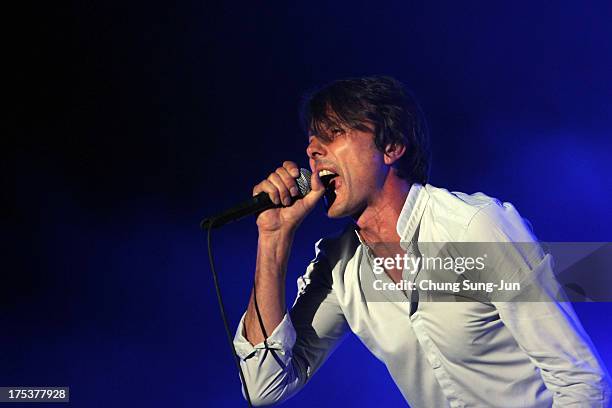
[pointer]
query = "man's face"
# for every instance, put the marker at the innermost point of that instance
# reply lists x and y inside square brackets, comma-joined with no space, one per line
[357,169]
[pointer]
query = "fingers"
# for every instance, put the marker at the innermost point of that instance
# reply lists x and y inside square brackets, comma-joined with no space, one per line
[316,192]
[292,168]
[280,181]
[267,187]
[280,185]
[315,183]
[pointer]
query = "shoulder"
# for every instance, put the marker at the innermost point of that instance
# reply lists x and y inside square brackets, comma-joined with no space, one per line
[474,217]
[337,246]
[329,252]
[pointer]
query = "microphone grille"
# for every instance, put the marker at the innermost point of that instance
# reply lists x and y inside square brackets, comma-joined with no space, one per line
[303,181]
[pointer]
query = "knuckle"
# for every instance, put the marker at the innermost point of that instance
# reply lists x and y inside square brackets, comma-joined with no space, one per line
[291,168]
[272,189]
[284,175]
[275,179]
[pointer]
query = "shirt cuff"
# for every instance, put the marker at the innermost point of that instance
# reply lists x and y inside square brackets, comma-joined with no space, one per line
[282,338]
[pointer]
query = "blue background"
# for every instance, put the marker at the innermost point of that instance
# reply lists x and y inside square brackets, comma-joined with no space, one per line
[135,120]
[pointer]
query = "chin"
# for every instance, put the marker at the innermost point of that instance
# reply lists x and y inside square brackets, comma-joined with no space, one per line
[337,211]
[339,208]
[335,214]
[332,210]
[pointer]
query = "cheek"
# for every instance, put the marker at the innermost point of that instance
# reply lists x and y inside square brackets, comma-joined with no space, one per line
[363,164]
[366,181]
[361,180]
[369,167]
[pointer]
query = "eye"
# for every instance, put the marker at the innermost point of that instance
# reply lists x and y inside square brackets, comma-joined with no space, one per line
[335,132]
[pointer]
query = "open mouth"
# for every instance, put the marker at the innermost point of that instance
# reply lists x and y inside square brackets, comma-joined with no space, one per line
[331,182]
[329,179]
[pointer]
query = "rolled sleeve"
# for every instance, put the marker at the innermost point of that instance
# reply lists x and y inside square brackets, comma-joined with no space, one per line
[281,339]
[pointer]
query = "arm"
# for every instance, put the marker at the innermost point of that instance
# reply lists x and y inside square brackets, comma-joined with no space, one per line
[546,329]
[300,343]
[272,256]
[276,227]
[276,367]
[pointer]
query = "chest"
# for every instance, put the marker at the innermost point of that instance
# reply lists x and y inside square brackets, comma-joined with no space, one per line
[393,322]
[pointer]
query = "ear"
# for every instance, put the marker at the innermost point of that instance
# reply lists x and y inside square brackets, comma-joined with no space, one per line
[393,152]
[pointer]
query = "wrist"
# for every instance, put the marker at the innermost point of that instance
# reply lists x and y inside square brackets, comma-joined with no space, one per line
[273,252]
[277,235]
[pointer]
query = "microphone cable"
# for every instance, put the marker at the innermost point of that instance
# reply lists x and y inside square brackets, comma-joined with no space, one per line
[224,316]
[303,183]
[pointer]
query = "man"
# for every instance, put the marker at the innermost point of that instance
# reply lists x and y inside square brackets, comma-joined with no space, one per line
[369,156]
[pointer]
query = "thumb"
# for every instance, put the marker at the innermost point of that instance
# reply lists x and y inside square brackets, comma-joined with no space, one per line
[316,192]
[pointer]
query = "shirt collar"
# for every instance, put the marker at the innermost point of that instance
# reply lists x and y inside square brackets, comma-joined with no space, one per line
[411,213]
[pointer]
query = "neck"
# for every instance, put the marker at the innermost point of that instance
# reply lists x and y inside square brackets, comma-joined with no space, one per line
[378,222]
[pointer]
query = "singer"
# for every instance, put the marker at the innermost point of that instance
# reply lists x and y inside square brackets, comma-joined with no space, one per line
[368,151]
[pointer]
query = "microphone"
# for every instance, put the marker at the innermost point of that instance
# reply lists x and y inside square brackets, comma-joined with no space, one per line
[256,204]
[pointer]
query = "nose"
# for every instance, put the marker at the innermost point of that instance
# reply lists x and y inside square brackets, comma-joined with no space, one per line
[315,148]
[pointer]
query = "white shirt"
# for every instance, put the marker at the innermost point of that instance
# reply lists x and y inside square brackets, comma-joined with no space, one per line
[457,354]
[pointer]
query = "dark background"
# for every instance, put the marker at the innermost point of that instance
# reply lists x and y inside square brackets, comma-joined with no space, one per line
[136,119]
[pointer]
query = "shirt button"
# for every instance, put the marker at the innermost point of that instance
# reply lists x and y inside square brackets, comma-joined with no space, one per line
[435,362]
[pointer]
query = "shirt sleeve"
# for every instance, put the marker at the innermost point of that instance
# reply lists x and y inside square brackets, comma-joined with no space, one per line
[543,324]
[300,344]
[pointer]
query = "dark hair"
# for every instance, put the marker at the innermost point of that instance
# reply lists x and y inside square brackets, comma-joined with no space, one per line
[381,101]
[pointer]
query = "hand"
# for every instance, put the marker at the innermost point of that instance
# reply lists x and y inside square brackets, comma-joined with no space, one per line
[281,187]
